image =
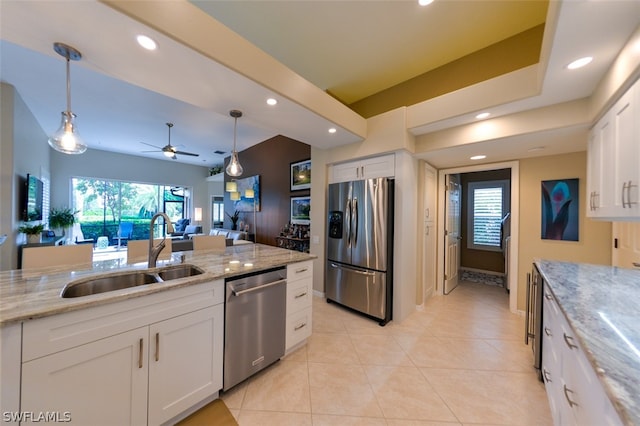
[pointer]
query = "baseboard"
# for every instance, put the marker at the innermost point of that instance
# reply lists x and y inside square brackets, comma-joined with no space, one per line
[318,293]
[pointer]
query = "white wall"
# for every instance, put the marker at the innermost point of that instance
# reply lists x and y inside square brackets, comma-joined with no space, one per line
[23,149]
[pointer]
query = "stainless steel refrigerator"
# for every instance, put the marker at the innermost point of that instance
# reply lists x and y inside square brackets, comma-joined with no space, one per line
[359,271]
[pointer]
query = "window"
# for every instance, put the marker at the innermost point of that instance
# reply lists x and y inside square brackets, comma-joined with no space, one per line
[488,203]
[217,212]
[104,204]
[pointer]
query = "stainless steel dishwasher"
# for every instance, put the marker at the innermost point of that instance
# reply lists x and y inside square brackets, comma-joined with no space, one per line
[254,331]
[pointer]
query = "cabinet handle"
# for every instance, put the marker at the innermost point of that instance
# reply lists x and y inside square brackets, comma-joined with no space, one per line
[569,341]
[157,347]
[548,296]
[299,271]
[546,375]
[567,391]
[547,331]
[629,186]
[636,264]
[624,188]
[298,296]
[140,354]
[303,325]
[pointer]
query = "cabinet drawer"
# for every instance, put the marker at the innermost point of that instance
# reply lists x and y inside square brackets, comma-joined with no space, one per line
[301,270]
[298,296]
[48,335]
[298,327]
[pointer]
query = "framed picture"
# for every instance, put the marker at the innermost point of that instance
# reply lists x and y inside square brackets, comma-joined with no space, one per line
[300,210]
[560,210]
[301,175]
[244,203]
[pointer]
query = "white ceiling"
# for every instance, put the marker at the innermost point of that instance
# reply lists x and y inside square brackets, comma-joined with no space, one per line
[123,96]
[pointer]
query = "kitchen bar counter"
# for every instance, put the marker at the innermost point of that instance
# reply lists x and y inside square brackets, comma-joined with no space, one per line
[602,305]
[36,293]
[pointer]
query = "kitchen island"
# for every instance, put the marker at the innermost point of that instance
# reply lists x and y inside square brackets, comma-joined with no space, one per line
[601,306]
[148,354]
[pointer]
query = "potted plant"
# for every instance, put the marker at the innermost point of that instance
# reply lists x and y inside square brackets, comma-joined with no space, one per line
[62,218]
[234,219]
[33,232]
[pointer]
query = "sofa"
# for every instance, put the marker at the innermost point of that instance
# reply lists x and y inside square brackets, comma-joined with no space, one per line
[233,237]
[179,227]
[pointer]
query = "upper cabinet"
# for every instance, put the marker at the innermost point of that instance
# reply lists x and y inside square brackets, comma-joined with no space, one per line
[382,166]
[613,172]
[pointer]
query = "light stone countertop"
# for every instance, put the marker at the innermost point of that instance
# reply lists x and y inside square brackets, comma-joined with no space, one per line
[602,306]
[36,293]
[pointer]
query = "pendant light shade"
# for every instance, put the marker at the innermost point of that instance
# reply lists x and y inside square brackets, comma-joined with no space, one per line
[231,186]
[234,168]
[66,139]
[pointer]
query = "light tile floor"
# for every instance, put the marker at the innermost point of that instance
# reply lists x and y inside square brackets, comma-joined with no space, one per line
[460,361]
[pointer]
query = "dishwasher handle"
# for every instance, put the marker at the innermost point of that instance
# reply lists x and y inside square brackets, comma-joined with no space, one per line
[256,288]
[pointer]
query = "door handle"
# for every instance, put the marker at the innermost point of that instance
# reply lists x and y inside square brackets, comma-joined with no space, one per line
[258,288]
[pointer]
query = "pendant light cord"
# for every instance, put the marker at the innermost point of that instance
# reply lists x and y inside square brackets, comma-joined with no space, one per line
[68,87]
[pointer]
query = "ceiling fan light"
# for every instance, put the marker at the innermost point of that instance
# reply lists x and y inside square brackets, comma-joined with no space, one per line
[66,139]
[168,154]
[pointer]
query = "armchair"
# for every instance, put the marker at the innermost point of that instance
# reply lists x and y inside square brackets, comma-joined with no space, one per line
[179,227]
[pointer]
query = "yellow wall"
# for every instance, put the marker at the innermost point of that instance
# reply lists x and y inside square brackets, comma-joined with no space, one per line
[594,245]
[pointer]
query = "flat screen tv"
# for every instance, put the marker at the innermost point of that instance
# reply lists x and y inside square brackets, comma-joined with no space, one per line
[33,193]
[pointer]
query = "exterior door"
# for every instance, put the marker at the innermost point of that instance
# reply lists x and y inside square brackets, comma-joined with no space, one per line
[452,233]
[627,255]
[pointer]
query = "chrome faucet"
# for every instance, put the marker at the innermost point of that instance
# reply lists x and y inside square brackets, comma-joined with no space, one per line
[154,251]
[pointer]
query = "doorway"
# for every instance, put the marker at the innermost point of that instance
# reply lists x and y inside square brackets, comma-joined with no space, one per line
[443,243]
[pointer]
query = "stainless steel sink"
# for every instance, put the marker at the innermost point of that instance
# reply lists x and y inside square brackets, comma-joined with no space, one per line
[108,283]
[178,271]
[102,284]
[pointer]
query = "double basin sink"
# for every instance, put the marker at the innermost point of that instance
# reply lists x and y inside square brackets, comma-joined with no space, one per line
[119,281]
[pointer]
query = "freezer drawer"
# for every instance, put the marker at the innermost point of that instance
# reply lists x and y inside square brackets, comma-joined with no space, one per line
[359,289]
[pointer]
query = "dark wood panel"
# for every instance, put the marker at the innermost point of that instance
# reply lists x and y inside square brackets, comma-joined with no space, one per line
[271,160]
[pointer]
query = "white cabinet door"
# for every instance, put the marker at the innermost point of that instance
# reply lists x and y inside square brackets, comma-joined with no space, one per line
[99,383]
[381,166]
[626,133]
[600,169]
[185,362]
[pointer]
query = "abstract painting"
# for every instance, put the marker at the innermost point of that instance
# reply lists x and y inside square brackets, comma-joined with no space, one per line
[560,210]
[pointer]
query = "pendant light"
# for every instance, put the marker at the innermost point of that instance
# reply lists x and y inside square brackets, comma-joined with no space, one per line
[66,139]
[234,168]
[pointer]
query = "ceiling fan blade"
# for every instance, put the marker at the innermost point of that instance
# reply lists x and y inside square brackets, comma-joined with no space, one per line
[186,153]
[151,151]
[155,146]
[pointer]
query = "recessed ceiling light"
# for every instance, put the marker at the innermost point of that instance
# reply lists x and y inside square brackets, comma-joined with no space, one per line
[483,115]
[332,130]
[146,42]
[424,2]
[579,63]
[478,157]
[272,101]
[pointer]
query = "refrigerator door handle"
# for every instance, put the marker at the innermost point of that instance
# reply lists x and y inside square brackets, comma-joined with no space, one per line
[357,271]
[357,225]
[348,221]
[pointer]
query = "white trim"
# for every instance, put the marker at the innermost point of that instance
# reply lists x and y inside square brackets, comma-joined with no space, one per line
[515,222]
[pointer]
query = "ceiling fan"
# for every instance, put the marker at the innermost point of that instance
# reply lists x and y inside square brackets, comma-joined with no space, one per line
[169,150]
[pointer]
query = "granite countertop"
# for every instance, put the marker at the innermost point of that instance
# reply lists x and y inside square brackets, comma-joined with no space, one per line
[36,293]
[602,305]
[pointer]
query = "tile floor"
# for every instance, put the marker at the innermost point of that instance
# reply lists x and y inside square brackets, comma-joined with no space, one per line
[460,361]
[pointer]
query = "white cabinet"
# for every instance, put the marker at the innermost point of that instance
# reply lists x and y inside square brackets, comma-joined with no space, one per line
[184,362]
[613,175]
[99,383]
[299,304]
[576,396]
[140,361]
[382,166]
